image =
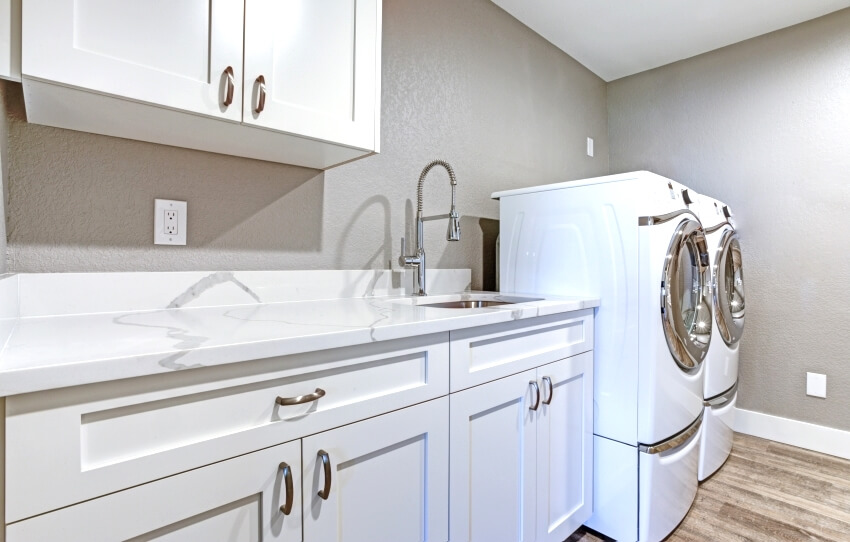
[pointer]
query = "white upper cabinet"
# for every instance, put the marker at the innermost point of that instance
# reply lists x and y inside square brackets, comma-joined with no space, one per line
[10,39]
[311,66]
[184,55]
[298,80]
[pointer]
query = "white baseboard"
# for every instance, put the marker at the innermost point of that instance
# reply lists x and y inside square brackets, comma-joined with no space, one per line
[806,435]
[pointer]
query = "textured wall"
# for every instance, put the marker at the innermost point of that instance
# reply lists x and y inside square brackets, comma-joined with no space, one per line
[462,81]
[4,172]
[765,126]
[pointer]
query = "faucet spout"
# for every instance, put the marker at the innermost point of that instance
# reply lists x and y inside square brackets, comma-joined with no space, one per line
[452,233]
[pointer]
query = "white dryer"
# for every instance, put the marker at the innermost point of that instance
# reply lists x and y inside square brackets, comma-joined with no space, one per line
[632,241]
[721,363]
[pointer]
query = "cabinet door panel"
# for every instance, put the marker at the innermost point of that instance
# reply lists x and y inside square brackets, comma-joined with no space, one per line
[233,501]
[389,478]
[162,52]
[565,448]
[492,454]
[320,61]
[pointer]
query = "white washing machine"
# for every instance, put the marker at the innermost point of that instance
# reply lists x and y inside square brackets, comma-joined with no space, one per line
[721,362]
[631,240]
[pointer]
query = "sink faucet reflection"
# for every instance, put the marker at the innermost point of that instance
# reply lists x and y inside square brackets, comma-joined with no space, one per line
[417,259]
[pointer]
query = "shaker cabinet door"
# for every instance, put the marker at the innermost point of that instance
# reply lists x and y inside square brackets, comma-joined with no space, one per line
[564,447]
[238,500]
[184,55]
[312,68]
[385,478]
[493,461]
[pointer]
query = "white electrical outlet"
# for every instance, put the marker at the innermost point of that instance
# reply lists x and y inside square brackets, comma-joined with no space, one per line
[590,147]
[816,385]
[169,222]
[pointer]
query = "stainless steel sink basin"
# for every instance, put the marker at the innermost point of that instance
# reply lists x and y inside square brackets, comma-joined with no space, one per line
[475,300]
[469,304]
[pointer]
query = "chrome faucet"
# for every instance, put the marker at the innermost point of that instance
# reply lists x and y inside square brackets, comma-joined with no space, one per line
[417,259]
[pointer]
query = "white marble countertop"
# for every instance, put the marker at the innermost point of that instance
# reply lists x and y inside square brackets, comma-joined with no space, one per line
[48,352]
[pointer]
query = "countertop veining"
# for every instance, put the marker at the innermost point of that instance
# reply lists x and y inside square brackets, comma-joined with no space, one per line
[50,352]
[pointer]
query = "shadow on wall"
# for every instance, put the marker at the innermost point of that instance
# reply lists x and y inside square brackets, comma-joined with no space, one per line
[383,255]
[99,191]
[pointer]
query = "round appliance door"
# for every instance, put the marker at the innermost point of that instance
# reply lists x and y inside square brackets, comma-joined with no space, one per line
[686,296]
[729,302]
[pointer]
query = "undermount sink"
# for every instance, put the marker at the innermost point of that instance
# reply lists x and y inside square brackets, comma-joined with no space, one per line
[465,301]
[471,304]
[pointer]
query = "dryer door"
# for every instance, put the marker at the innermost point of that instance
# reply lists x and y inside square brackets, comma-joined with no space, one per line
[686,296]
[729,302]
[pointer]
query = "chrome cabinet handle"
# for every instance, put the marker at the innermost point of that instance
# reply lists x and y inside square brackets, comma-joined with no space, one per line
[534,385]
[326,464]
[261,94]
[290,491]
[231,85]
[548,382]
[289,401]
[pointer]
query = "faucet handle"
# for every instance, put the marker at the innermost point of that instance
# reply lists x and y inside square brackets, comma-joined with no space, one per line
[403,256]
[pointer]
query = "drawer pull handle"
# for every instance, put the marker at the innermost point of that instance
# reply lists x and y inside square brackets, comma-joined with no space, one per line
[231,85]
[548,382]
[290,491]
[534,385]
[326,465]
[309,398]
[261,94]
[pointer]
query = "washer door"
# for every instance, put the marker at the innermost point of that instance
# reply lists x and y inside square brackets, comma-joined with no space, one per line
[686,296]
[729,302]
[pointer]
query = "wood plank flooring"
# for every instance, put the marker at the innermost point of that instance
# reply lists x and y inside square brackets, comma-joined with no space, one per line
[767,491]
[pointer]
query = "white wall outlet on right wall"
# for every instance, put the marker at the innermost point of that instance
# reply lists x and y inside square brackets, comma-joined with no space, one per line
[590,147]
[816,385]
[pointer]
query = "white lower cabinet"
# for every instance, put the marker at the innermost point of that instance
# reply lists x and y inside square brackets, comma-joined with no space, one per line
[565,448]
[361,444]
[521,455]
[237,500]
[382,479]
[492,453]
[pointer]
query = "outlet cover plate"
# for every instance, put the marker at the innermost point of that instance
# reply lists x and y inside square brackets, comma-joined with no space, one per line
[816,385]
[163,221]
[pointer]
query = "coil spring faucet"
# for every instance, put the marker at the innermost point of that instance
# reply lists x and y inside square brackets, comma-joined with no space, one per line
[417,259]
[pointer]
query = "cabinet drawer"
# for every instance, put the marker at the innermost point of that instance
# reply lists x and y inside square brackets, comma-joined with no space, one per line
[91,440]
[486,353]
[232,501]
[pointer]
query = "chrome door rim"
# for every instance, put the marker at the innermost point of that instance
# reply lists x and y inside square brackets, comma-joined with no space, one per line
[688,345]
[730,324]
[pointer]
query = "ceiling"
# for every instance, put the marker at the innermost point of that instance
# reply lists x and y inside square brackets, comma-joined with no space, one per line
[616,38]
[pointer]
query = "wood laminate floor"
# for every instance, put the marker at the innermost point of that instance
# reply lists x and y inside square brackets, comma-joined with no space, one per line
[767,491]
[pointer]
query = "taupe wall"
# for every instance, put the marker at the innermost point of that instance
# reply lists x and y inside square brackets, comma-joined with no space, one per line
[765,126]
[462,81]
[4,174]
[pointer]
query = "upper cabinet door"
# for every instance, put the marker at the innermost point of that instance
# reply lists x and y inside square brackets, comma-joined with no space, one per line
[172,54]
[312,67]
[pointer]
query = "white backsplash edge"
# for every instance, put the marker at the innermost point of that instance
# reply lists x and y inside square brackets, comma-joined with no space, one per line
[54,294]
[10,308]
